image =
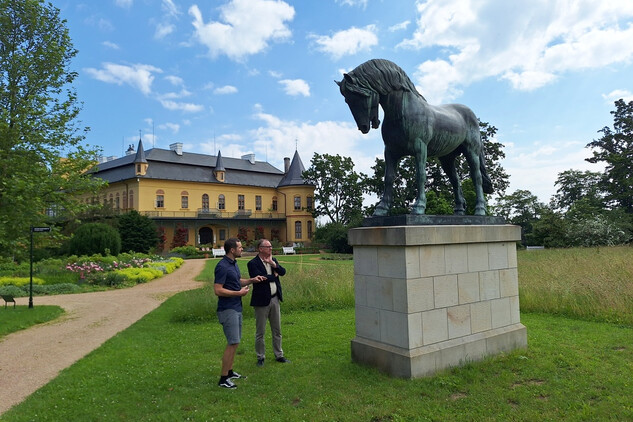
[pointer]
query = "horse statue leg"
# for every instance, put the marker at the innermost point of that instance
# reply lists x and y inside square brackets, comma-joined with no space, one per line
[419,207]
[448,165]
[472,157]
[382,208]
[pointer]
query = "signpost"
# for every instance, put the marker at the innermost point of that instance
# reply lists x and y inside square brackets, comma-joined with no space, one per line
[34,230]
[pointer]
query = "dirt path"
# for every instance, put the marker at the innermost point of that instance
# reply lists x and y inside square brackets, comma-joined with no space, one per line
[31,358]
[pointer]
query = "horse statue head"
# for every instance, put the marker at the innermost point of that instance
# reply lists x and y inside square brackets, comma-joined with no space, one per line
[362,102]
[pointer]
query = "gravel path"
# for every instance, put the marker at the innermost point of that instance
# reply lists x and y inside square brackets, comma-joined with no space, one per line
[31,358]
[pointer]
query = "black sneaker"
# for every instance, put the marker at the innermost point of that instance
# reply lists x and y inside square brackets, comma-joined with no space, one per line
[235,376]
[227,384]
[282,360]
[260,362]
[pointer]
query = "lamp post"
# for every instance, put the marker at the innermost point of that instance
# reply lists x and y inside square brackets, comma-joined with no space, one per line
[33,230]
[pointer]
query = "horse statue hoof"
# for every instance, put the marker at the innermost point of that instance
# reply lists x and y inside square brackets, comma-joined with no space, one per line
[418,210]
[380,211]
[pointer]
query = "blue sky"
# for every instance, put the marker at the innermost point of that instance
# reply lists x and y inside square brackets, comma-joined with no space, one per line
[257,76]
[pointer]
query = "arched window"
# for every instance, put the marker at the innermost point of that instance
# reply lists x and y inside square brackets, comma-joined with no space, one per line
[184,199]
[240,202]
[131,203]
[297,203]
[297,229]
[309,203]
[124,201]
[274,203]
[117,201]
[205,202]
[160,198]
[221,202]
[309,223]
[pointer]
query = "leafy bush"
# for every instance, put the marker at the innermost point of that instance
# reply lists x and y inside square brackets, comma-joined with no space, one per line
[334,236]
[54,289]
[138,232]
[110,278]
[186,251]
[95,238]
[19,281]
[140,275]
[14,291]
[167,267]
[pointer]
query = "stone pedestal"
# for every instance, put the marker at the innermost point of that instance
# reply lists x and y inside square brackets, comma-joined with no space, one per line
[432,297]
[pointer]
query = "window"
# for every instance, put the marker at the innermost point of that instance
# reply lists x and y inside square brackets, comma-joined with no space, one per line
[138,168]
[298,230]
[309,223]
[117,201]
[240,202]
[297,203]
[131,199]
[274,203]
[309,203]
[160,198]
[222,234]
[184,199]
[221,202]
[111,199]
[205,202]
[125,201]
[258,203]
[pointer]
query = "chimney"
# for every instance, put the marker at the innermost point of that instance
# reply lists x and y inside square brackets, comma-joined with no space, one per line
[286,164]
[176,147]
[249,157]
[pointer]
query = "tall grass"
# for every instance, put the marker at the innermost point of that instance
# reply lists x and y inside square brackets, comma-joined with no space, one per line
[587,283]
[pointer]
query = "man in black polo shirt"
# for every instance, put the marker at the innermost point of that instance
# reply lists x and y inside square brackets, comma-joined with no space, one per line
[229,287]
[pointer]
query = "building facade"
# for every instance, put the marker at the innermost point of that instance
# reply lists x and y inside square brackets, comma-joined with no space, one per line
[207,199]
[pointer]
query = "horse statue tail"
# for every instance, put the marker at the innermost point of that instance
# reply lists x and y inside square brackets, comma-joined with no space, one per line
[485,179]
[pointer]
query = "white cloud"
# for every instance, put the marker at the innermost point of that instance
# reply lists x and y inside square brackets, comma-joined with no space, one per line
[362,3]
[224,90]
[126,4]
[175,80]
[163,29]
[348,42]
[617,94]
[246,27]
[275,74]
[180,106]
[139,76]
[110,44]
[529,44]
[276,138]
[296,87]
[399,26]
[173,127]
[170,8]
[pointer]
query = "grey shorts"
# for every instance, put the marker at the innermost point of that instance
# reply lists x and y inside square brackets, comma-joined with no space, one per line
[231,321]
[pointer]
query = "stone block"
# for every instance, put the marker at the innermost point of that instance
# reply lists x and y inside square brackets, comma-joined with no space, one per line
[368,322]
[468,287]
[420,295]
[394,328]
[432,261]
[497,255]
[489,285]
[477,257]
[456,257]
[365,260]
[500,312]
[480,316]
[515,315]
[360,290]
[434,326]
[445,291]
[508,282]
[391,262]
[458,321]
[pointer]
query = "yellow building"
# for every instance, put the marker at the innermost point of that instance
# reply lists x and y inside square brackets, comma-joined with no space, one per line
[211,198]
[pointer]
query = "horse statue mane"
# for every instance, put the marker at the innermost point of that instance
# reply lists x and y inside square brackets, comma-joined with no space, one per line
[382,76]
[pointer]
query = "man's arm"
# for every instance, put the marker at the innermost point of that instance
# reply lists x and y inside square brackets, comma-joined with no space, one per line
[219,290]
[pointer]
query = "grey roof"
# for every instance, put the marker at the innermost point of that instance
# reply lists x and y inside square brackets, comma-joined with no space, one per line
[140,153]
[294,176]
[219,165]
[190,167]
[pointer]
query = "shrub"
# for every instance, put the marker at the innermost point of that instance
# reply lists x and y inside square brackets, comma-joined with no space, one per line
[19,281]
[140,275]
[138,232]
[186,251]
[95,238]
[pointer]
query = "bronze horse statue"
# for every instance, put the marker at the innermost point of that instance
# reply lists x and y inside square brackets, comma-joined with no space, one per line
[412,126]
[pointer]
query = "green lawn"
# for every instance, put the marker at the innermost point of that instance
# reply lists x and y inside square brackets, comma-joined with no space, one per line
[21,317]
[166,366]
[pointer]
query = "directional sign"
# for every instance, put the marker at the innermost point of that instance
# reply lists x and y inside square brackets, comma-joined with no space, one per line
[40,229]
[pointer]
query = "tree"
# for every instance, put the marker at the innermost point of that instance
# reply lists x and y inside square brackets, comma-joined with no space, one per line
[522,208]
[95,238]
[180,237]
[42,162]
[576,185]
[615,150]
[440,196]
[338,188]
[138,232]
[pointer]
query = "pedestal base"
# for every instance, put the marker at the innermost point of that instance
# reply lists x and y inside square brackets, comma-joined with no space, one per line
[432,297]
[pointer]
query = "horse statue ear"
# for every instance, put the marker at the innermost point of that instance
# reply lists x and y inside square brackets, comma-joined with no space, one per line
[338,83]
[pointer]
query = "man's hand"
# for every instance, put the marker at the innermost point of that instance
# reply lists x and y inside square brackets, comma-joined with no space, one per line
[244,291]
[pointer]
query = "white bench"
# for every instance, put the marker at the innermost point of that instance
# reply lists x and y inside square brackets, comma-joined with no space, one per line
[288,250]
[218,252]
[531,248]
